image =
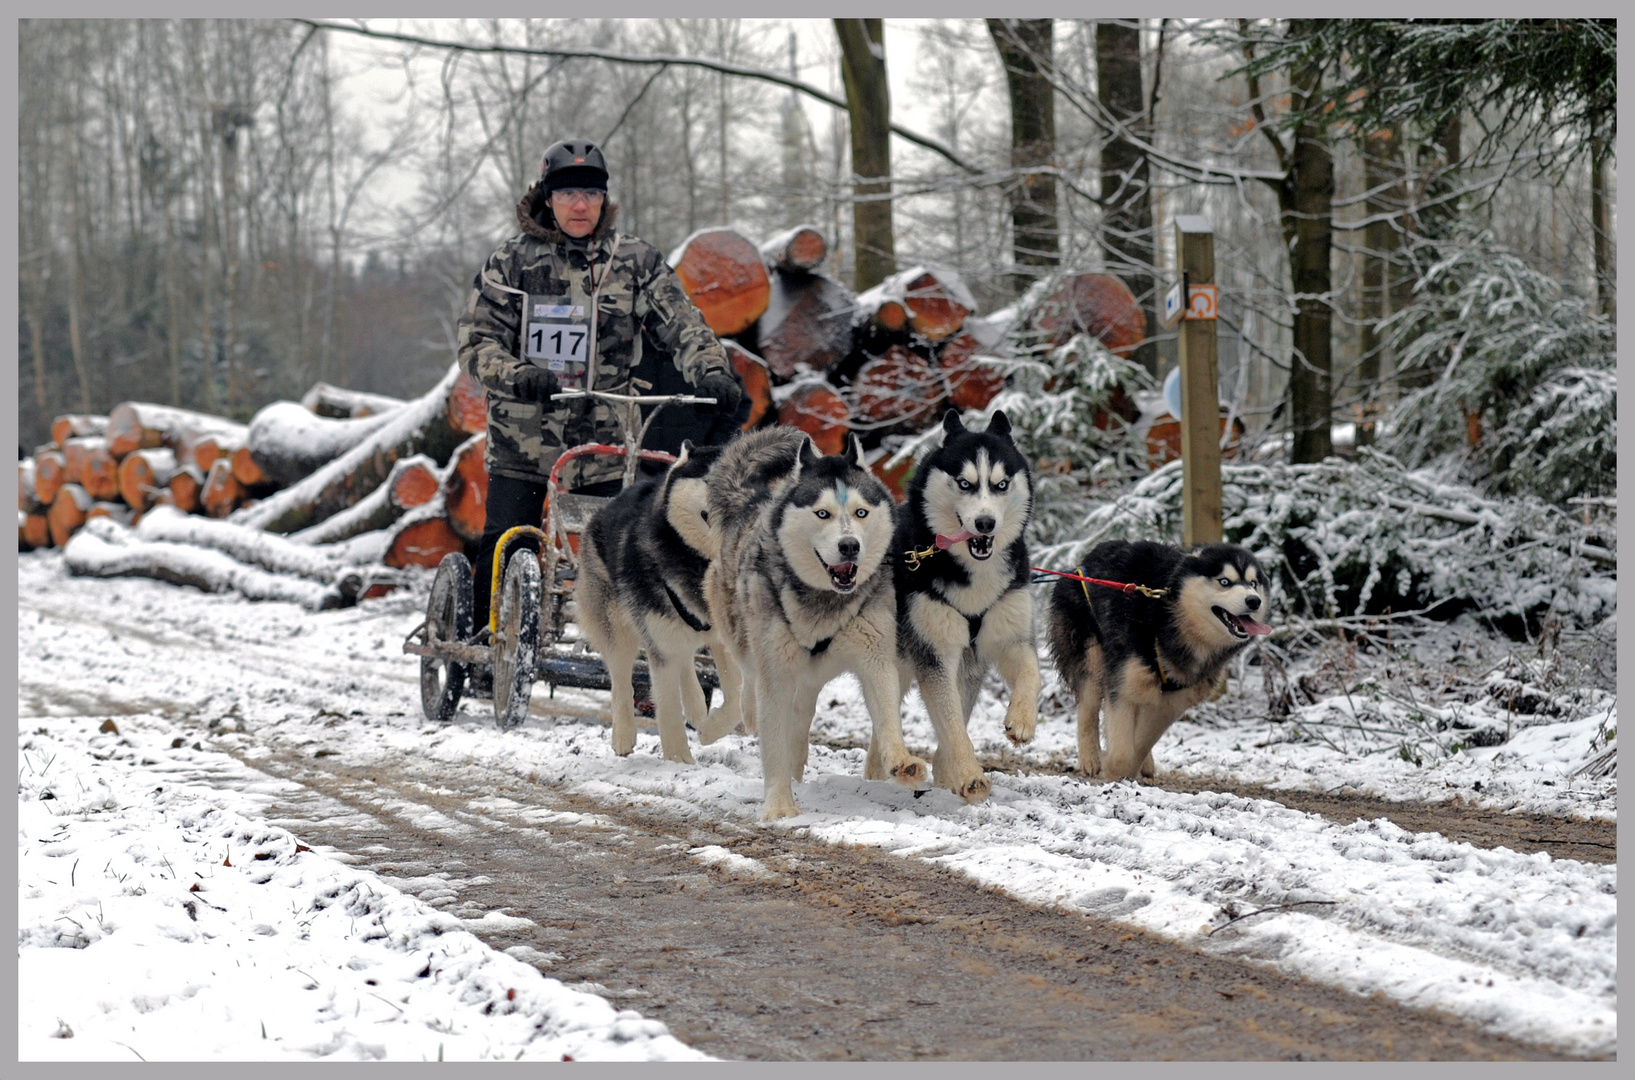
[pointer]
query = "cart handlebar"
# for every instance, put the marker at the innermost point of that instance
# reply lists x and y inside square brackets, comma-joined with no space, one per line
[635,399]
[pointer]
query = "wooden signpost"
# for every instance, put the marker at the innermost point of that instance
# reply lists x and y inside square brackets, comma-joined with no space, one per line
[1200,394]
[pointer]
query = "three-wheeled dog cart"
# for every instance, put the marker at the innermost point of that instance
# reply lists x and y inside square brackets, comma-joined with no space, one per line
[530,618]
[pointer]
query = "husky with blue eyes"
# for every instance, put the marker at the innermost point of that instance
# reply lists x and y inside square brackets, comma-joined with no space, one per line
[800,592]
[962,592]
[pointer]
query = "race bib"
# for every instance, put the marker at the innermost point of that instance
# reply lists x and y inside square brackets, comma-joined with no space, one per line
[558,336]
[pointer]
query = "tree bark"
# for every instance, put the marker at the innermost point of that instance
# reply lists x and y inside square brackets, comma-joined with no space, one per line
[1606,267]
[1025,47]
[1127,236]
[1380,241]
[868,104]
[1308,221]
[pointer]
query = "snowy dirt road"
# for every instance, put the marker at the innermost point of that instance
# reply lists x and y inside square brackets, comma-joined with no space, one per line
[1061,919]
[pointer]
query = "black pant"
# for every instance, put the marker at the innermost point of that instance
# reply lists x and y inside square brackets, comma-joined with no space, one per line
[512,502]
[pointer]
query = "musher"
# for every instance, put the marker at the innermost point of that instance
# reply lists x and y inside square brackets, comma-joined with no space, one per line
[569,261]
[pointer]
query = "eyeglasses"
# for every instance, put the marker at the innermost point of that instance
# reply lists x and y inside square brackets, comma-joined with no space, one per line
[568,196]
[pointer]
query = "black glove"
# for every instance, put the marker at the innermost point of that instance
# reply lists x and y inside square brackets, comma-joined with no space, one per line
[724,388]
[534,383]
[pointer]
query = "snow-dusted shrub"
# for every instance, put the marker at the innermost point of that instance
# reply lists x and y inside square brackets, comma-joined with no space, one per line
[1369,536]
[1535,365]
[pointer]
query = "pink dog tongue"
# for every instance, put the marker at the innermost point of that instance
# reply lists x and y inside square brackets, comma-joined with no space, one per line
[946,542]
[1251,626]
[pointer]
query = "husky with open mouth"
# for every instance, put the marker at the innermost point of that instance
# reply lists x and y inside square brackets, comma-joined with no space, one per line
[641,579]
[962,592]
[1147,660]
[801,592]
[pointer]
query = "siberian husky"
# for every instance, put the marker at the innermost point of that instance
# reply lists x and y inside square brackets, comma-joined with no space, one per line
[962,592]
[1146,659]
[641,582]
[802,591]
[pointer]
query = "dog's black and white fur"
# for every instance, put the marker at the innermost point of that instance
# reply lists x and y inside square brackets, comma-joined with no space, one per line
[962,592]
[641,581]
[1148,660]
[802,590]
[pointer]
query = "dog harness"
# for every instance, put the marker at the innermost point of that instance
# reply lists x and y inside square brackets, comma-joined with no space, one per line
[697,624]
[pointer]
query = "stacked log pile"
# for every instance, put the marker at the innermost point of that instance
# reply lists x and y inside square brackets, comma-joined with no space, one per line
[360,484]
[360,479]
[883,363]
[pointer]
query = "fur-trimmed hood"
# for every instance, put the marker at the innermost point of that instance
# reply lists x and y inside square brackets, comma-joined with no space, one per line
[535,217]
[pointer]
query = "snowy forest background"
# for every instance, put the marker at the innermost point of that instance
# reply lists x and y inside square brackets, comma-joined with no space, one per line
[213,215]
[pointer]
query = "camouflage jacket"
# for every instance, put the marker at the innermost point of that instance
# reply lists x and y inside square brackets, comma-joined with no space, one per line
[642,307]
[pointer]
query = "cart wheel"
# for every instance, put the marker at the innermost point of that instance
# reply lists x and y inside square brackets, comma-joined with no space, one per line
[448,620]
[517,641]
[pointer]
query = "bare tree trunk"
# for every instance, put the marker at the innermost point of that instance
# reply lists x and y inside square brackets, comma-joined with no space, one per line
[1126,223]
[1380,154]
[1026,47]
[226,120]
[1606,266]
[1308,219]
[868,104]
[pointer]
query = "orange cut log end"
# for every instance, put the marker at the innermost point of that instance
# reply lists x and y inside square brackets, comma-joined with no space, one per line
[71,425]
[414,486]
[465,490]
[897,387]
[933,313]
[757,381]
[1097,304]
[185,488]
[101,479]
[143,475]
[49,476]
[971,384]
[67,513]
[723,274]
[126,433]
[424,543]
[245,470]
[222,491]
[891,315]
[37,529]
[205,451]
[821,413]
[468,405]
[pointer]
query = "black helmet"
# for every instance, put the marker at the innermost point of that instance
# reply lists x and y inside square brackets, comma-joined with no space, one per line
[573,163]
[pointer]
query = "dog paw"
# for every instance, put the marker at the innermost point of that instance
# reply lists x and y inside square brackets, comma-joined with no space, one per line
[973,790]
[720,722]
[624,737]
[684,756]
[911,772]
[1149,767]
[1020,722]
[782,806]
[1090,764]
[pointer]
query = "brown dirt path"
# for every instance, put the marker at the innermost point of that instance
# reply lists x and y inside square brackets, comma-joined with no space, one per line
[826,953]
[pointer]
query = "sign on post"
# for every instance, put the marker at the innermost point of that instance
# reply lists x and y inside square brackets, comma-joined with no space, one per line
[1200,394]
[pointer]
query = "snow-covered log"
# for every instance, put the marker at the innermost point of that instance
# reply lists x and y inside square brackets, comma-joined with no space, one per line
[1096,304]
[222,492]
[934,302]
[752,370]
[204,450]
[287,442]
[816,409]
[808,321]
[76,454]
[973,381]
[104,548]
[278,554]
[422,537]
[465,487]
[49,475]
[26,498]
[34,529]
[101,477]
[724,276]
[800,248]
[413,482]
[899,387]
[143,474]
[69,425]
[468,405]
[186,486]
[420,427]
[343,404]
[68,512]
[140,425]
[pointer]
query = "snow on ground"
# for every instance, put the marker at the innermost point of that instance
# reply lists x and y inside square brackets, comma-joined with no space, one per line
[1525,944]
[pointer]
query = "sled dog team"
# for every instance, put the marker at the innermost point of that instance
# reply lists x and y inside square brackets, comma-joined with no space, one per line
[793,567]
